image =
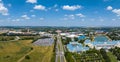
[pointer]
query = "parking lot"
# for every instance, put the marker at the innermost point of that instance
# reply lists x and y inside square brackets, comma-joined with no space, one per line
[44,42]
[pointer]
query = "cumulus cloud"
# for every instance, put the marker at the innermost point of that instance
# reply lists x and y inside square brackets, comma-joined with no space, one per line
[107,0]
[31,1]
[33,15]
[31,10]
[80,15]
[41,18]
[9,5]
[72,16]
[69,17]
[55,5]
[116,11]
[3,9]
[56,9]
[25,17]
[72,8]
[109,8]
[39,7]
[15,20]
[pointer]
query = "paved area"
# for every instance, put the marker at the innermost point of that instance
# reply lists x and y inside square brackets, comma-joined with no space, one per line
[59,51]
[44,42]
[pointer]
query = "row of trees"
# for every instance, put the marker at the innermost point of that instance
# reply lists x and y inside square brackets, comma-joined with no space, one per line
[54,50]
[91,55]
[7,38]
[67,40]
[68,56]
[114,35]
[105,56]
[35,38]
[116,52]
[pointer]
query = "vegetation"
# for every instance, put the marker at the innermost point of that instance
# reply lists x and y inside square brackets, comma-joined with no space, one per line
[105,56]
[69,57]
[40,53]
[112,57]
[116,52]
[92,38]
[23,51]
[81,41]
[13,51]
[7,38]
[66,40]
[88,56]
[54,50]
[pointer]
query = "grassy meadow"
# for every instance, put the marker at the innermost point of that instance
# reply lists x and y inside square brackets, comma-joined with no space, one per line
[24,51]
[40,54]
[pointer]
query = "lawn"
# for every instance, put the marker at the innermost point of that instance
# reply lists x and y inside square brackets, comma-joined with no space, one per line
[24,51]
[112,57]
[40,54]
[12,51]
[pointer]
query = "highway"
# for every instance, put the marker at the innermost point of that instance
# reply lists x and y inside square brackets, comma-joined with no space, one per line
[59,51]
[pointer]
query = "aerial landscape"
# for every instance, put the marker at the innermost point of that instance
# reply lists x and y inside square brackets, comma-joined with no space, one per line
[59,31]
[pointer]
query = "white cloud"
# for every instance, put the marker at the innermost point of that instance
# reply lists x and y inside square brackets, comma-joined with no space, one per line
[33,15]
[31,1]
[65,19]
[116,11]
[15,20]
[9,5]
[39,7]
[31,10]
[82,19]
[109,8]
[113,19]
[41,18]
[25,17]
[80,15]
[107,0]
[3,9]
[56,9]
[71,17]
[55,5]
[101,20]
[72,8]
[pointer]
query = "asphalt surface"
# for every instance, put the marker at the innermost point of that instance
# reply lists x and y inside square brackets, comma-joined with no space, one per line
[59,51]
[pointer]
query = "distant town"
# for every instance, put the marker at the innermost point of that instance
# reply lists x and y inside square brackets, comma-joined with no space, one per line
[59,44]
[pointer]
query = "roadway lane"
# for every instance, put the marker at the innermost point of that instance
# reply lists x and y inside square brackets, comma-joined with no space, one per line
[59,51]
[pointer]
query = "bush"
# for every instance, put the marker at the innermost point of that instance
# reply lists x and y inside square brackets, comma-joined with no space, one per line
[27,57]
[104,54]
[68,57]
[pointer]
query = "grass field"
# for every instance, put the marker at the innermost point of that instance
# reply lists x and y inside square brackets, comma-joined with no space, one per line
[112,57]
[14,51]
[40,54]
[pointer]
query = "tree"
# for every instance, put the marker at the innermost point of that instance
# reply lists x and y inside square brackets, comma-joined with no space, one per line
[27,57]
[104,54]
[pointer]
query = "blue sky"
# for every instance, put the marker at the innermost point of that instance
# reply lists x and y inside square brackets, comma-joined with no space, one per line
[60,13]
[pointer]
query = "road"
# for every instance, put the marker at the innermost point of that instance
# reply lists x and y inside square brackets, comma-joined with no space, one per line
[59,51]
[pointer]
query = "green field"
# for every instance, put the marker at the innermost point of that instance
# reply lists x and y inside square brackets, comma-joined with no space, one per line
[12,51]
[112,57]
[24,51]
[40,54]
